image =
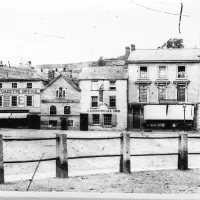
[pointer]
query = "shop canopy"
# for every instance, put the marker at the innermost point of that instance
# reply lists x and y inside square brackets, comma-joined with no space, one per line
[13,115]
[168,112]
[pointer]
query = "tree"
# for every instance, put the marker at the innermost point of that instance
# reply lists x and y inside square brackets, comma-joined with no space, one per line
[173,43]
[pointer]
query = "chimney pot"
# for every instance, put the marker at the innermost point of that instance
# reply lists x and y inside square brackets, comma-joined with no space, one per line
[132,47]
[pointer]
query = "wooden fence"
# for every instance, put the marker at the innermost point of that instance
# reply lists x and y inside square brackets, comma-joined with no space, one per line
[124,154]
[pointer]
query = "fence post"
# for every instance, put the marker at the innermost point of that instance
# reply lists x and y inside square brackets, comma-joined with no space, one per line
[125,163]
[1,161]
[61,152]
[183,151]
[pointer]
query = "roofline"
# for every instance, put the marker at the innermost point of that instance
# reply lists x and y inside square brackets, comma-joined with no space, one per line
[87,79]
[20,80]
[161,61]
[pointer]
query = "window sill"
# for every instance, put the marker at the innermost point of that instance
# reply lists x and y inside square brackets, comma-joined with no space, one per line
[107,126]
[112,107]
[95,125]
[94,108]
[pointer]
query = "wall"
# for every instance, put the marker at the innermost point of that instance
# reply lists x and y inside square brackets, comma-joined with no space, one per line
[121,101]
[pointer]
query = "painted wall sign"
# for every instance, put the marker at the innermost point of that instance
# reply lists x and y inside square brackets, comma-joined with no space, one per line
[100,111]
[20,91]
[60,100]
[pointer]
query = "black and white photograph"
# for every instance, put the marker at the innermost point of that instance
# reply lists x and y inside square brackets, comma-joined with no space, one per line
[100,98]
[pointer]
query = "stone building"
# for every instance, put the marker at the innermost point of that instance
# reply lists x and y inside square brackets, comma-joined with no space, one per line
[103,98]
[60,104]
[162,83]
[20,97]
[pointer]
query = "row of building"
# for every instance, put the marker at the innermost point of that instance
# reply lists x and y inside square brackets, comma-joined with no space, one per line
[150,89]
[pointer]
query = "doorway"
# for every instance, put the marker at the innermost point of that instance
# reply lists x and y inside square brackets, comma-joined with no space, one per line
[136,117]
[84,122]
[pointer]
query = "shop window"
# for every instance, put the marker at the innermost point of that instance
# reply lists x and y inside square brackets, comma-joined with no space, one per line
[67,110]
[162,72]
[70,122]
[1,85]
[60,93]
[95,119]
[14,101]
[29,85]
[107,119]
[14,85]
[143,72]
[1,101]
[112,85]
[181,93]
[94,85]
[181,72]
[94,101]
[53,110]
[52,123]
[161,92]
[142,93]
[29,101]
[113,101]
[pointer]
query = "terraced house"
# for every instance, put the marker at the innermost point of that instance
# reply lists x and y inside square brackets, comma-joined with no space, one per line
[164,88]
[103,98]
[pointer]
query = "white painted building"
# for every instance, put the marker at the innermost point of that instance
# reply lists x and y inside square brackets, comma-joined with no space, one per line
[104,97]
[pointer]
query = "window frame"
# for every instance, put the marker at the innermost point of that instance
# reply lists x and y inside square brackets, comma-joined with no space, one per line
[69,124]
[50,111]
[53,121]
[94,101]
[162,85]
[63,93]
[177,72]
[1,85]
[114,87]
[107,125]
[13,83]
[65,109]
[112,102]
[185,87]
[15,101]
[147,93]
[140,72]
[166,72]
[94,119]
[29,86]
[31,100]
[97,85]
[1,101]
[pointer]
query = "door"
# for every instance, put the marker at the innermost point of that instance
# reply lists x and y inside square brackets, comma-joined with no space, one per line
[64,124]
[136,117]
[34,121]
[84,122]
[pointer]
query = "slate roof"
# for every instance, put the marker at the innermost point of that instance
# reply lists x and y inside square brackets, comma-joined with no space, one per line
[9,74]
[71,82]
[164,55]
[105,72]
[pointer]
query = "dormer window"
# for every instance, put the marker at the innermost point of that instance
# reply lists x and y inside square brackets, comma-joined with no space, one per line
[112,85]
[181,72]
[60,93]
[143,72]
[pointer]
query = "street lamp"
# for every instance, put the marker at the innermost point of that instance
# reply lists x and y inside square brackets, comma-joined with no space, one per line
[184,106]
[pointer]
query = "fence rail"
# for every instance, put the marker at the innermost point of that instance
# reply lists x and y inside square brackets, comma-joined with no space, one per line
[124,154]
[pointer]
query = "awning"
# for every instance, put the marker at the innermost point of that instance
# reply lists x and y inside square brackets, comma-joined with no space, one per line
[18,115]
[4,115]
[168,112]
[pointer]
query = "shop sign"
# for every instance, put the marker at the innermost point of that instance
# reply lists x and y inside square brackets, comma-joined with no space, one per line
[169,101]
[102,111]
[20,91]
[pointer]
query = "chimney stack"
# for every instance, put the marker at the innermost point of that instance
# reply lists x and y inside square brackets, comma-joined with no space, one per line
[127,52]
[51,74]
[132,47]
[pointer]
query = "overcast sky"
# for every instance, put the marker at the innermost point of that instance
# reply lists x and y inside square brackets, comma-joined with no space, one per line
[65,31]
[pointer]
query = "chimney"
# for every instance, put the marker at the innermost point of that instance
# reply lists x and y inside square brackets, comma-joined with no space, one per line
[127,52]
[132,47]
[51,75]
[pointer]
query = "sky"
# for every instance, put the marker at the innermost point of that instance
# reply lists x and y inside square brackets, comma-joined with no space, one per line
[67,31]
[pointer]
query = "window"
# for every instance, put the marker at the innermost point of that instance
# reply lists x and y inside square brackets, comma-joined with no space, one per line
[29,100]
[64,69]
[161,92]
[95,85]
[181,72]
[95,119]
[181,93]
[94,101]
[143,72]
[29,85]
[112,85]
[1,101]
[112,101]
[0,85]
[70,122]
[67,110]
[52,123]
[53,110]
[162,72]
[14,85]
[107,119]
[56,69]
[41,70]
[61,93]
[142,93]
[14,101]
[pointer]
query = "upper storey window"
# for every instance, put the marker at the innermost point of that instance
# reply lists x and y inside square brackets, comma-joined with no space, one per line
[181,72]
[94,85]
[162,72]
[14,85]
[61,93]
[112,85]
[143,72]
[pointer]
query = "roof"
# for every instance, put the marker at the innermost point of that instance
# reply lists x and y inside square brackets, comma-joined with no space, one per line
[73,84]
[105,72]
[188,55]
[18,74]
